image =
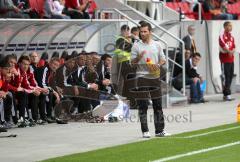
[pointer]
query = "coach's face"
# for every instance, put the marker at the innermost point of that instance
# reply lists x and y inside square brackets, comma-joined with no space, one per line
[145,33]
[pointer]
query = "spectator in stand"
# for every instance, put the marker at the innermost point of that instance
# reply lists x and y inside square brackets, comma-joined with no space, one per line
[92,8]
[58,6]
[51,12]
[213,7]
[76,9]
[9,10]
[24,7]
[224,9]
[190,45]
[226,55]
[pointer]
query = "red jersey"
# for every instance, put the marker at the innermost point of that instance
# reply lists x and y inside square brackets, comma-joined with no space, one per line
[15,81]
[72,4]
[226,42]
[28,81]
[3,84]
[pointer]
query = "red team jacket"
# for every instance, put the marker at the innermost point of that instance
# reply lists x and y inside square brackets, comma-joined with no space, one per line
[28,80]
[15,82]
[226,41]
[4,86]
[25,80]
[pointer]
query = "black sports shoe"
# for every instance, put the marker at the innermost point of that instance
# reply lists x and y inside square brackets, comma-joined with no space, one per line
[32,123]
[49,120]
[61,121]
[2,129]
[162,134]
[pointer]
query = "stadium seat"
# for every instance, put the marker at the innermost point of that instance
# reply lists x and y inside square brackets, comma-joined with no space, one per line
[185,8]
[234,8]
[206,15]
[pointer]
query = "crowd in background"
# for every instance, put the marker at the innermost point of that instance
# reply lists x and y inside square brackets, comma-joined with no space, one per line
[48,9]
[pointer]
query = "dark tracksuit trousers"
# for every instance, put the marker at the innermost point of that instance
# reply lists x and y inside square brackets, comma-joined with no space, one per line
[158,114]
[22,103]
[227,76]
[33,105]
[7,102]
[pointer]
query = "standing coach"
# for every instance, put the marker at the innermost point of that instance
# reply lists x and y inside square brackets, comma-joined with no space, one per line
[148,56]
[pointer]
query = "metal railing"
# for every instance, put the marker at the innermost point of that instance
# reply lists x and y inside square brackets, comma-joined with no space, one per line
[146,18]
[166,52]
[152,22]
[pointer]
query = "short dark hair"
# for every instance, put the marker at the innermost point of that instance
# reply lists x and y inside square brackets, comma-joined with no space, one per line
[196,54]
[74,54]
[226,23]
[141,22]
[12,56]
[125,27]
[134,29]
[146,24]
[55,59]
[24,57]
[93,53]
[105,56]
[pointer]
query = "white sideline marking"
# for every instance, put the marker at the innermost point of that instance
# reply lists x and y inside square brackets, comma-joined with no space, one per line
[203,134]
[197,152]
[212,132]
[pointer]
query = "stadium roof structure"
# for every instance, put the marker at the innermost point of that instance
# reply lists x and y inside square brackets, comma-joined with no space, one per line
[20,36]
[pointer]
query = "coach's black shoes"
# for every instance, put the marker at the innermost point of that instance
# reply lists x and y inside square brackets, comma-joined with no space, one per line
[162,134]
